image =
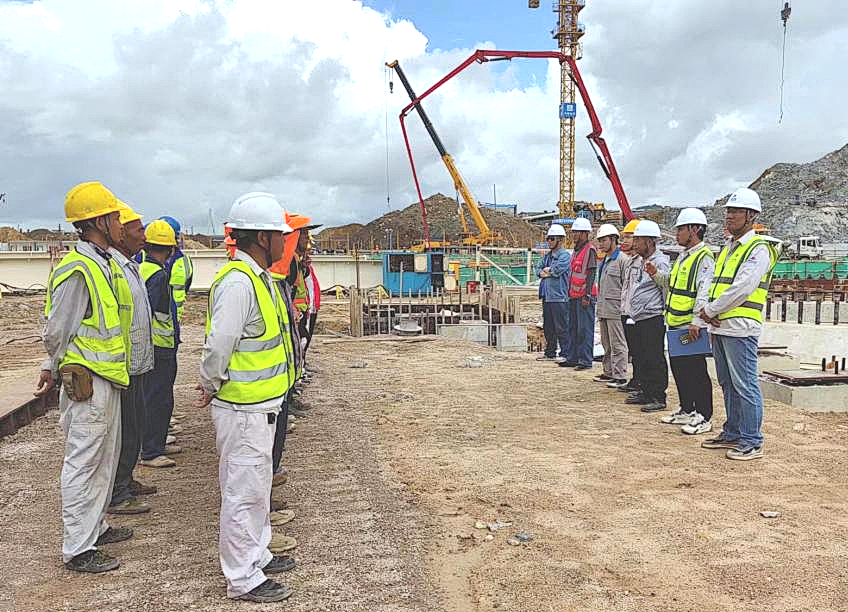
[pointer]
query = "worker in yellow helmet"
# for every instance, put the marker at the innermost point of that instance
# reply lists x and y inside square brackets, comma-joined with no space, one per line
[87,354]
[631,265]
[139,334]
[159,245]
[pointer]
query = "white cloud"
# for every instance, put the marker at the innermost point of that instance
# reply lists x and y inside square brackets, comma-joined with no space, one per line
[180,105]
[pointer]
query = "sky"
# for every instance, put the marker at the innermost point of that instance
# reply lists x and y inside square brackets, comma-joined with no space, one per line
[180,106]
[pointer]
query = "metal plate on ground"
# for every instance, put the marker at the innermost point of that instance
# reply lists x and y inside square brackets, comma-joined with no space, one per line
[807,377]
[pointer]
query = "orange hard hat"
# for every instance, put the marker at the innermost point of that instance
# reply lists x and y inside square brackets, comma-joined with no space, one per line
[296,221]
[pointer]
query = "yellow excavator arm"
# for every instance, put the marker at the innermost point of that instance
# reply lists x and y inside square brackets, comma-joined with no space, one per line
[484,232]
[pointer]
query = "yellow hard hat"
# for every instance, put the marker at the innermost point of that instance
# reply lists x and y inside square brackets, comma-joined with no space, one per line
[159,232]
[630,227]
[126,214]
[88,201]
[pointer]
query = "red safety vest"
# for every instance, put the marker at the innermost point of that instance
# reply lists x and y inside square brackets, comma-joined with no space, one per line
[579,272]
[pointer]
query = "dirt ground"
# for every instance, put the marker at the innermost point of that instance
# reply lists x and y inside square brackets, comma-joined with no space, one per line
[399,459]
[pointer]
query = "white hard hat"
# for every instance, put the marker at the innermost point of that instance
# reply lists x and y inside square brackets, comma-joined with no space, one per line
[745,198]
[691,216]
[258,211]
[581,225]
[648,229]
[607,229]
[556,230]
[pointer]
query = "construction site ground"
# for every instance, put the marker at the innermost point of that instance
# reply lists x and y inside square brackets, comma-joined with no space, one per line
[405,449]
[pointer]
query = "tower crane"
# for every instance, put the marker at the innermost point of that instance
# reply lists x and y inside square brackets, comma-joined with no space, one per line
[567,33]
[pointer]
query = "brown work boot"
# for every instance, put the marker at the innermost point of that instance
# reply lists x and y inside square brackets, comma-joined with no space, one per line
[128,506]
[137,488]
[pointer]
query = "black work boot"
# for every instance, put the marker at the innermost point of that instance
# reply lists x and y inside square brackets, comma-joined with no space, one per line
[112,535]
[93,562]
[267,592]
[279,564]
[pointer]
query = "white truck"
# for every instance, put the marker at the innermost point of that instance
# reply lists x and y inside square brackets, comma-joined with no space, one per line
[811,247]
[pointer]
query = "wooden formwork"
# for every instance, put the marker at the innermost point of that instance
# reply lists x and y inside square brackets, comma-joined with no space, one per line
[26,413]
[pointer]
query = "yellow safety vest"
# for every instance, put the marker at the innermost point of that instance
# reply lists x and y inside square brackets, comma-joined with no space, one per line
[287,334]
[259,368]
[163,324]
[726,268]
[680,301]
[101,343]
[181,272]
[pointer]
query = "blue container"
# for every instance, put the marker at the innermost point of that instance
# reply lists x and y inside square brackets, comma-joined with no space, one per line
[402,264]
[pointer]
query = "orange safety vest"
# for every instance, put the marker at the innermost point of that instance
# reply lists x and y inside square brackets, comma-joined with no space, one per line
[579,273]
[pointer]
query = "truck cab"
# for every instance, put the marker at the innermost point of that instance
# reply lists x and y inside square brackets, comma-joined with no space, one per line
[807,247]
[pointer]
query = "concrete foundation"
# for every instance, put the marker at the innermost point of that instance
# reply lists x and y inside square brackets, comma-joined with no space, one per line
[815,398]
[843,313]
[776,312]
[807,342]
[477,333]
[511,338]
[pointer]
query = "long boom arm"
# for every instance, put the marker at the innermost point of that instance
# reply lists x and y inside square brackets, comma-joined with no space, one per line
[599,145]
[484,232]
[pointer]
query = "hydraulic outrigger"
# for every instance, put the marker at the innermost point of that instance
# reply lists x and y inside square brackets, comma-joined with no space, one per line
[481,56]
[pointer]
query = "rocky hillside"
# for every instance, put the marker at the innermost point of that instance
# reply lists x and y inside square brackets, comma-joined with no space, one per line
[798,200]
[405,225]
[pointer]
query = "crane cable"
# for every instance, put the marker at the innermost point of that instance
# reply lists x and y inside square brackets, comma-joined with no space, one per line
[784,16]
[386,90]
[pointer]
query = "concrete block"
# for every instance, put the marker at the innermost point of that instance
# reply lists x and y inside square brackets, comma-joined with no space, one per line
[776,311]
[792,312]
[843,313]
[807,342]
[808,312]
[511,338]
[470,332]
[827,313]
[815,398]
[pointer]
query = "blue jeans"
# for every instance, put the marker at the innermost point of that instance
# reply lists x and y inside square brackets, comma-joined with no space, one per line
[581,325]
[736,366]
[555,320]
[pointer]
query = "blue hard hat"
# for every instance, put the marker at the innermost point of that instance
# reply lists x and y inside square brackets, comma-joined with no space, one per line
[175,225]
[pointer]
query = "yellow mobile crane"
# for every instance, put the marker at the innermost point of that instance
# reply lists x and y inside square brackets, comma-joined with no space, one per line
[484,234]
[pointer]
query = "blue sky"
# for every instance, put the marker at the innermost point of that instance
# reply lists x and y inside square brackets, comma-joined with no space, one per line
[450,25]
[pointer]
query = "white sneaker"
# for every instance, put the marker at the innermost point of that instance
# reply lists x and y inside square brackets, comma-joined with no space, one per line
[170,440]
[678,418]
[697,425]
[559,359]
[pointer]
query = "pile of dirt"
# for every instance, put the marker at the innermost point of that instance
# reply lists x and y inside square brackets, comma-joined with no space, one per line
[405,226]
[7,234]
[189,243]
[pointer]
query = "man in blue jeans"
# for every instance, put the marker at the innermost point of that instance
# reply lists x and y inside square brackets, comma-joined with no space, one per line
[554,270]
[735,315]
[582,295]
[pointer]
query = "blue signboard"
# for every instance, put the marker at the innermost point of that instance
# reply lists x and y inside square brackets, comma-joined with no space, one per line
[563,221]
[567,110]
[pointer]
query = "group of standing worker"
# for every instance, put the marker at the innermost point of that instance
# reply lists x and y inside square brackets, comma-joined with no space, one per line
[114,307]
[702,305]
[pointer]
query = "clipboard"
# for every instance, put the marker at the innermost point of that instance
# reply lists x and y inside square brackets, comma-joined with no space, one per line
[680,344]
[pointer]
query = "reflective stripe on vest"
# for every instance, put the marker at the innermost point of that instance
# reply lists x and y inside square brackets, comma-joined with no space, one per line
[727,265]
[579,274]
[99,343]
[260,368]
[680,301]
[163,324]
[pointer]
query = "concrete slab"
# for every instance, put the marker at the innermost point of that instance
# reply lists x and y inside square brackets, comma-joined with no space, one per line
[511,338]
[843,313]
[776,312]
[815,398]
[469,332]
[792,312]
[827,313]
[807,342]
[808,314]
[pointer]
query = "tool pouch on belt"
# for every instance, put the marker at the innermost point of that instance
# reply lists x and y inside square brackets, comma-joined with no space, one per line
[77,382]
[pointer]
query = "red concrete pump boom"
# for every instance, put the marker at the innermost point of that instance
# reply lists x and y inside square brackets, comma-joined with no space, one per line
[599,145]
